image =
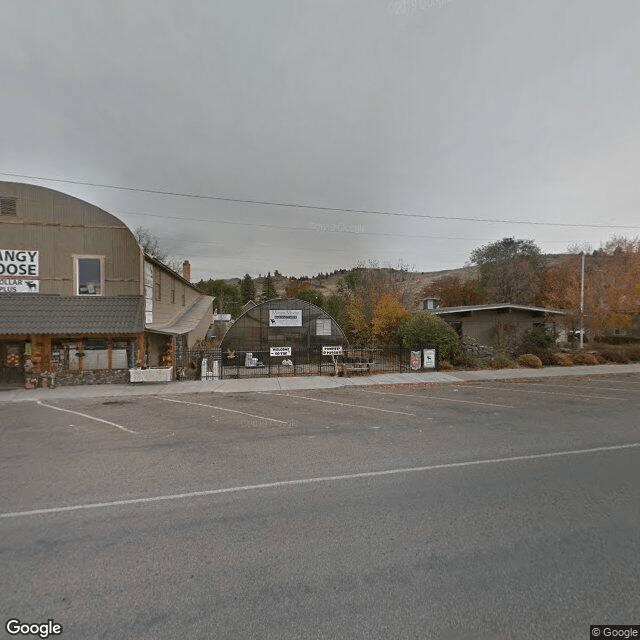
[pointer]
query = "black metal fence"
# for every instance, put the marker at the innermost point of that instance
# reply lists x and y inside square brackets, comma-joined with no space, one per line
[205,364]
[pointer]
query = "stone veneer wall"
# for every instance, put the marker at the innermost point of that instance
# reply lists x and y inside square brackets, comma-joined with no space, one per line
[99,376]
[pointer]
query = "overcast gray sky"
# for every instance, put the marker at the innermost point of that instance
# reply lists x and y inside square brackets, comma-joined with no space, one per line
[512,110]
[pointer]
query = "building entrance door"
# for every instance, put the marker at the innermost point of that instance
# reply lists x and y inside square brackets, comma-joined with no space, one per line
[11,363]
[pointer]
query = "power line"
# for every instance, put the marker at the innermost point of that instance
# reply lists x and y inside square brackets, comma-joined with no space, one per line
[292,205]
[320,228]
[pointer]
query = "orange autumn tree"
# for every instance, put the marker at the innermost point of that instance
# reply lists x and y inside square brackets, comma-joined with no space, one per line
[388,316]
[611,286]
[294,288]
[362,288]
[357,324]
[453,291]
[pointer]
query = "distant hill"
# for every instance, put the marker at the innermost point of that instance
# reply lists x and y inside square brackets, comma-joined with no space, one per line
[416,280]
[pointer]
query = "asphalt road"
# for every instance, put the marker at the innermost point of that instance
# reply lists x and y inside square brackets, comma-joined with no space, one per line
[486,511]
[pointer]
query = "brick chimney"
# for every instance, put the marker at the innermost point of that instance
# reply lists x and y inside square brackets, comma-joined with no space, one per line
[186,270]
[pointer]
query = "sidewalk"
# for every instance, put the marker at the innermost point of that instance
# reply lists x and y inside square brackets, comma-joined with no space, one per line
[297,383]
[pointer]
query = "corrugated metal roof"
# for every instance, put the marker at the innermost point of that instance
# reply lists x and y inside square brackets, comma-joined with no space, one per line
[28,313]
[186,321]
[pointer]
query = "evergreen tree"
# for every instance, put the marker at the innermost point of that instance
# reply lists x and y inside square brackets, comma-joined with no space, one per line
[227,296]
[268,290]
[247,289]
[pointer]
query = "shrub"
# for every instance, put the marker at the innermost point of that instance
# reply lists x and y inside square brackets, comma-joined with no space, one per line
[529,360]
[501,361]
[542,336]
[465,361]
[584,358]
[562,360]
[425,328]
[543,353]
[538,342]
[623,355]
[445,366]
[618,356]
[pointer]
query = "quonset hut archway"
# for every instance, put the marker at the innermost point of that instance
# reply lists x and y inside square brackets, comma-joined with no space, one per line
[282,332]
[284,322]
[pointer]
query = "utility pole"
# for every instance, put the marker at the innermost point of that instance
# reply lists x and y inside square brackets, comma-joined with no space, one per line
[582,303]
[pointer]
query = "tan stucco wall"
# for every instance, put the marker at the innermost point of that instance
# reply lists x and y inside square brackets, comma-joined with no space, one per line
[164,309]
[482,325]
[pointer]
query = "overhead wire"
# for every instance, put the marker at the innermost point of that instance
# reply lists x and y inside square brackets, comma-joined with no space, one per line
[269,203]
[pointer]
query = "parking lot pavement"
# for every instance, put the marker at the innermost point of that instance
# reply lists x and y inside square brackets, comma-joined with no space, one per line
[138,446]
[504,507]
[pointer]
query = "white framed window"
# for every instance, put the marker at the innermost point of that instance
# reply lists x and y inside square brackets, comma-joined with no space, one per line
[88,275]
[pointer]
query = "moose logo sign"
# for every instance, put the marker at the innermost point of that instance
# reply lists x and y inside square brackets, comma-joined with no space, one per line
[285,317]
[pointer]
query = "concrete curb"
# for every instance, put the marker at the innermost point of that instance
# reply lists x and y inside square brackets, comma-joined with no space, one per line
[302,383]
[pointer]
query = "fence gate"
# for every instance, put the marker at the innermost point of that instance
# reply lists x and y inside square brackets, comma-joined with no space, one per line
[215,364]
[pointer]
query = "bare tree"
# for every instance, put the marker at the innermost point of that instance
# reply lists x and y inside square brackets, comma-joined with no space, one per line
[152,246]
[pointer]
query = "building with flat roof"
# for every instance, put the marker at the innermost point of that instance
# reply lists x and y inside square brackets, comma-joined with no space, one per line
[485,322]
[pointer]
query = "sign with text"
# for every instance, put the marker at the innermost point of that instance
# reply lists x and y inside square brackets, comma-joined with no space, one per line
[415,360]
[19,263]
[428,358]
[285,317]
[280,352]
[16,285]
[332,351]
[323,327]
[148,292]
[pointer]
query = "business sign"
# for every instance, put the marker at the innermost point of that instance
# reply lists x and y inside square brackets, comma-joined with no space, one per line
[332,351]
[428,358]
[19,263]
[285,317]
[19,270]
[148,292]
[17,285]
[280,352]
[323,327]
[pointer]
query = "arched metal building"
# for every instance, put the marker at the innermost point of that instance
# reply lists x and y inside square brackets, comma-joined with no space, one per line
[284,322]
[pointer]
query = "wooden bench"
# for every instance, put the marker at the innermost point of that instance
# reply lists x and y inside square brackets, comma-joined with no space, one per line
[364,367]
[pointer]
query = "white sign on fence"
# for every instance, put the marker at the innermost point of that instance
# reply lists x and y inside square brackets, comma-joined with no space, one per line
[332,351]
[280,352]
[428,358]
[285,317]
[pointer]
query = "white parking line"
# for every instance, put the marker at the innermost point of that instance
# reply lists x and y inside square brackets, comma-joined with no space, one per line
[576,386]
[84,415]
[343,404]
[415,395]
[514,387]
[291,483]
[210,406]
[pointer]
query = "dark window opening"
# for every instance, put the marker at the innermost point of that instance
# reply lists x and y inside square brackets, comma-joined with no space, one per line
[8,206]
[89,277]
